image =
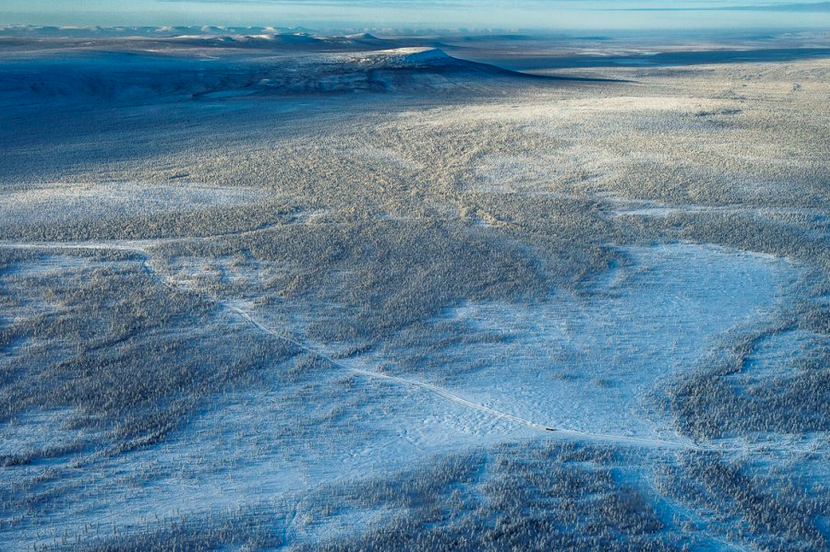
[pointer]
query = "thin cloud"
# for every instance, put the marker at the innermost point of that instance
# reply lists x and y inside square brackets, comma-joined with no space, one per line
[800,7]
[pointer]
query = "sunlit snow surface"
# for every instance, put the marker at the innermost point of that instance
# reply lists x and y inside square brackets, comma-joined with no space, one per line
[51,203]
[341,216]
[576,362]
[587,362]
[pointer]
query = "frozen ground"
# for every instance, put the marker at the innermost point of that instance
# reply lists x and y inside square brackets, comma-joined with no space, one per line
[67,203]
[587,362]
[271,289]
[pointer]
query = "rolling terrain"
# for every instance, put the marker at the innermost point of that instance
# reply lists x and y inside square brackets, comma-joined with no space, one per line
[264,289]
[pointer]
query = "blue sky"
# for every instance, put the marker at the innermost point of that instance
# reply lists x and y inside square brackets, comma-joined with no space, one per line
[477,14]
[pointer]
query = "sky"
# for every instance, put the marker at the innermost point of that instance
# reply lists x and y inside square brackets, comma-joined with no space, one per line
[432,14]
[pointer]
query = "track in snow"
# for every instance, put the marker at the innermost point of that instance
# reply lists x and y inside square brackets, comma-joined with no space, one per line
[142,246]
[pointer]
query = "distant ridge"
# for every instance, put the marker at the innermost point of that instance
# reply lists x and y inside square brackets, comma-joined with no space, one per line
[394,70]
[431,55]
[361,36]
[86,74]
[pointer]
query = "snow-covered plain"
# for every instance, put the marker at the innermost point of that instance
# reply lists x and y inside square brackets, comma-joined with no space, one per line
[67,203]
[586,362]
[280,290]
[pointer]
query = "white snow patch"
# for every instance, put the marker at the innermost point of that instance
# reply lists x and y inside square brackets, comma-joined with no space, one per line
[35,432]
[657,209]
[586,362]
[71,202]
[403,56]
[777,356]
[48,265]
[573,362]
[556,174]
[424,56]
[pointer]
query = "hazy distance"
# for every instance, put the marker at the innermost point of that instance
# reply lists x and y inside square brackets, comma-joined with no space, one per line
[426,14]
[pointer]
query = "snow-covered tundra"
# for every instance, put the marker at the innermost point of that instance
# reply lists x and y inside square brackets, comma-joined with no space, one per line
[264,290]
